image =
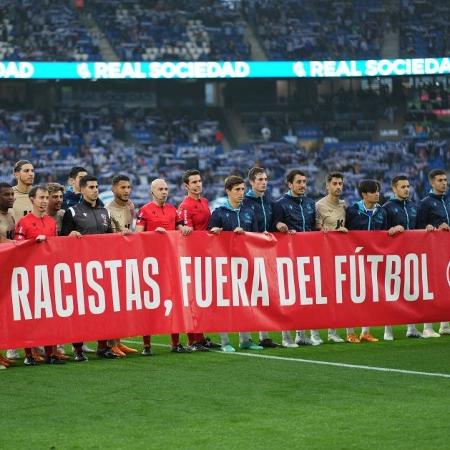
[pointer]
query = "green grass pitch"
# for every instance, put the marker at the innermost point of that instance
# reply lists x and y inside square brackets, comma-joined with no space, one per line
[225,401]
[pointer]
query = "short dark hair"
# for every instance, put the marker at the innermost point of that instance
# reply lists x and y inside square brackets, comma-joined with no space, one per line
[85,180]
[332,175]
[254,172]
[190,173]
[38,187]
[19,164]
[293,173]
[55,187]
[368,186]
[5,186]
[434,173]
[231,181]
[74,171]
[118,178]
[398,178]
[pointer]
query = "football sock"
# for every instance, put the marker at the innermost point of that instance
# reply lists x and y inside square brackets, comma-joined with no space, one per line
[101,345]
[224,339]
[263,335]
[175,337]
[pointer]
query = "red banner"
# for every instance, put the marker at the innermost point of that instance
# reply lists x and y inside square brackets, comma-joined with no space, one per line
[71,289]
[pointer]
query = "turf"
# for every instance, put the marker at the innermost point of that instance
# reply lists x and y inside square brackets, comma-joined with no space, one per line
[222,401]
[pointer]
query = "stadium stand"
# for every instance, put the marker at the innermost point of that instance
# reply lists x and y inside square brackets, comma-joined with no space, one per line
[428,111]
[218,29]
[147,144]
[320,29]
[137,142]
[171,30]
[424,28]
[44,31]
[344,115]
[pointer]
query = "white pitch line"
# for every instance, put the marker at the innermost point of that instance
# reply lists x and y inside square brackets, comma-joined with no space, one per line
[322,363]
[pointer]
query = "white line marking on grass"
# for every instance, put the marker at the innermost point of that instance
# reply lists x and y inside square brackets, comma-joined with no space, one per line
[348,366]
[322,363]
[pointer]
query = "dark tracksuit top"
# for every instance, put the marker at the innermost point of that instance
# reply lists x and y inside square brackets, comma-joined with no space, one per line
[401,212]
[357,217]
[262,209]
[229,218]
[433,210]
[86,219]
[298,213]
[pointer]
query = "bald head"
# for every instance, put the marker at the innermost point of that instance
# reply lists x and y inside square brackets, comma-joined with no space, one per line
[160,191]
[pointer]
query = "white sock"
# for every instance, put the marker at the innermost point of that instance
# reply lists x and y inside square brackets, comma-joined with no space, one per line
[365,330]
[387,329]
[350,331]
[332,332]
[286,335]
[244,336]
[411,328]
[224,339]
[428,326]
[263,335]
[315,334]
[444,325]
[300,334]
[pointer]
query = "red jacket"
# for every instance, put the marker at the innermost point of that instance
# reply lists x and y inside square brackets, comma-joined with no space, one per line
[152,216]
[31,226]
[194,213]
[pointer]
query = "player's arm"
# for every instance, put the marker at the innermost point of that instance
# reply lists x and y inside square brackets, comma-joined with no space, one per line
[68,227]
[114,225]
[278,218]
[110,223]
[313,221]
[385,223]
[6,239]
[140,222]
[184,224]
[392,228]
[19,232]
[348,218]
[255,227]
[184,216]
[128,230]
[271,225]
[422,217]
[319,219]
[215,223]
[344,228]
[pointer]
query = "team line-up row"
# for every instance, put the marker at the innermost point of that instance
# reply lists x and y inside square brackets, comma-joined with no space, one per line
[37,212]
